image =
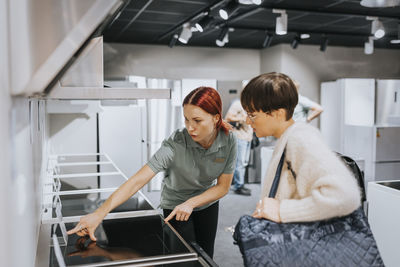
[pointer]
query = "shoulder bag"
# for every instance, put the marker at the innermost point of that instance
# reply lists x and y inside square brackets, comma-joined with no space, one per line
[343,241]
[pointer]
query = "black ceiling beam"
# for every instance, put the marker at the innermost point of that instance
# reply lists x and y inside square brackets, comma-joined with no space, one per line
[231,20]
[288,9]
[272,30]
[192,17]
[326,12]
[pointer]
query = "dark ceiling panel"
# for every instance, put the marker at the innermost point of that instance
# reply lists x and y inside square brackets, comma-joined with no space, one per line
[183,7]
[136,4]
[343,22]
[148,26]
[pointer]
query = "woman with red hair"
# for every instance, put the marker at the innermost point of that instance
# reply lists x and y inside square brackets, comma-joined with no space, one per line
[198,160]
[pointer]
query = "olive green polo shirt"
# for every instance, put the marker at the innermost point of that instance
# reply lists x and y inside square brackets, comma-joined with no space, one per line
[191,169]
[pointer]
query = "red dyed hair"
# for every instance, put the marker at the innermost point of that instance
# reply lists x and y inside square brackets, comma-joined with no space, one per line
[208,99]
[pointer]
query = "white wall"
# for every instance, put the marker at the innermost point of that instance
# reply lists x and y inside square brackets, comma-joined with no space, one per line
[180,62]
[271,59]
[306,64]
[121,135]
[25,188]
[5,106]
[310,67]
[74,134]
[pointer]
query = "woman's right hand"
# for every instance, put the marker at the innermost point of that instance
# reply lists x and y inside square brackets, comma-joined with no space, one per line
[87,225]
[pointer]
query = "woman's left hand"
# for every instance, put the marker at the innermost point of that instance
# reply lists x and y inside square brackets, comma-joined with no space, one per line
[181,212]
[268,208]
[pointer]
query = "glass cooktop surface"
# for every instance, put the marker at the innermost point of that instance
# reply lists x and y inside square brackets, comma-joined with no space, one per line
[138,239]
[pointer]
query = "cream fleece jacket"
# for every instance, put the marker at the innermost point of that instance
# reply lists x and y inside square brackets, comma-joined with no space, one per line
[324,188]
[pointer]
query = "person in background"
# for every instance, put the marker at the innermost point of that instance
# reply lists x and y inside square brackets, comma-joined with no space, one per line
[198,161]
[314,183]
[306,110]
[236,116]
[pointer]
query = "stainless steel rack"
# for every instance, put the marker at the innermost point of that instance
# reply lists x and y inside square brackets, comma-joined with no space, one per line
[136,228]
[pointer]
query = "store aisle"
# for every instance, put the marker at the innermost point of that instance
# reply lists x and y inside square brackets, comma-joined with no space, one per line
[231,207]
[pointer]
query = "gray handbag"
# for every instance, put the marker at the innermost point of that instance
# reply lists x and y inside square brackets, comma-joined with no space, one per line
[343,241]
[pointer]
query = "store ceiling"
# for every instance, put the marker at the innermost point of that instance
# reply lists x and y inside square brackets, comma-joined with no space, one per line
[342,22]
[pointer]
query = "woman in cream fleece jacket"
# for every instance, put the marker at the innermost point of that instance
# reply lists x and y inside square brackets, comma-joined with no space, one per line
[314,184]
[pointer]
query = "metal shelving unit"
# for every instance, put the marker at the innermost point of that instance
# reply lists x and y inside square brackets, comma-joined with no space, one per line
[137,228]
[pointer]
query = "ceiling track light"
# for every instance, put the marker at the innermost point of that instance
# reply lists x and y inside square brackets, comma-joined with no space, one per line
[377,28]
[396,41]
[250,2]
[186,34]
[380,3]
[324,43]
[281,21]
[296,41]
[369,46]
[267,40]
[203,23]
[305,36]
[173,40]
[227,11]
[223,37]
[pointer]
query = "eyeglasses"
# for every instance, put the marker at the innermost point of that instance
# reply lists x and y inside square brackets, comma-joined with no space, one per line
[252,117]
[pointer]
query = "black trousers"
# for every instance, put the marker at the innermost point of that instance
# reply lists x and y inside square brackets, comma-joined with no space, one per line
[201,227]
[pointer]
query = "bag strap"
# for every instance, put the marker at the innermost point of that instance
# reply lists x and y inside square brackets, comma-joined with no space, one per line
[275,183]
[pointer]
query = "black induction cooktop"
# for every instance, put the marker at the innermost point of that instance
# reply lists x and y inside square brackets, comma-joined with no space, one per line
[143,240]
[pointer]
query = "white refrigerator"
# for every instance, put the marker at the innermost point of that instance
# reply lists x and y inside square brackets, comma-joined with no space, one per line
[361,119]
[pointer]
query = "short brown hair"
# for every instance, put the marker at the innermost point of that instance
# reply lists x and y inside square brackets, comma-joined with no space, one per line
[269,92]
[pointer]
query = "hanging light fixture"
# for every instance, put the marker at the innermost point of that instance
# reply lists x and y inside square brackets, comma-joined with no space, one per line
[267,40]
[281,21]
[203,23]
[173,40]
[377,28]
[396,41]
[324,43]
[227,11]
[369,46]
[186,33]
[223,37]
[296,41]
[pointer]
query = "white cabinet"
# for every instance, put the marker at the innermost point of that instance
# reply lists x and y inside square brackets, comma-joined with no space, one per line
[384,219]
[388,102]
[349,123]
